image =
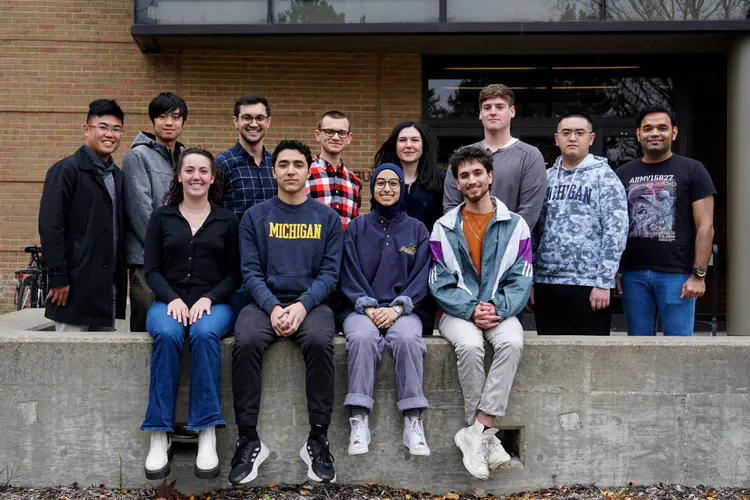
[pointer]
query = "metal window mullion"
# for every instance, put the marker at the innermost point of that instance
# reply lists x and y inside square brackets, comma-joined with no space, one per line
[443,16]
[270,12]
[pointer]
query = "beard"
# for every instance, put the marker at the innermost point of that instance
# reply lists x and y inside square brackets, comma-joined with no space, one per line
[476,196]
[245,135]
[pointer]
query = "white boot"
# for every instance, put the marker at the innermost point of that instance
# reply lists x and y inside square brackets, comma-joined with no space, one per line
[473,442]
[159,455]
[359,437]
[497,454]
[414,436]
[207,461]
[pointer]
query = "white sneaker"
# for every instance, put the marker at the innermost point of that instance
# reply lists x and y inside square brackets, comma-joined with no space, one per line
[359,439]
[159,455]
[497,454]
[207,461]
[473,441]
[414,436]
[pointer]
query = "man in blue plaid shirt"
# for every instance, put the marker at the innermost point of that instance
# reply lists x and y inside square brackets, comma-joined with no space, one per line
[245,170]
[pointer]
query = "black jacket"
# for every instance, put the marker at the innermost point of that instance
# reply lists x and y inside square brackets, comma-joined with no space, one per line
[75,225]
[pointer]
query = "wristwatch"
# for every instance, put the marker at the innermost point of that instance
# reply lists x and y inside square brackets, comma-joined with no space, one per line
[699,272]
[398,311]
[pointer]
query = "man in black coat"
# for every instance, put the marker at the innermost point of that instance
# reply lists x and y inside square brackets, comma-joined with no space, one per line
[82,228]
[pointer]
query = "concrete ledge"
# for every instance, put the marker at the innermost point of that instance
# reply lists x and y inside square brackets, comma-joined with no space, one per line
[587,410]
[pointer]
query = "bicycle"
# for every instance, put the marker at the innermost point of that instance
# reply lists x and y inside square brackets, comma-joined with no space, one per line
[32,283]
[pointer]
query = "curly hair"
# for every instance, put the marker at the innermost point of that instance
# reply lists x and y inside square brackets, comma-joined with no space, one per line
[175,194]
[470,154]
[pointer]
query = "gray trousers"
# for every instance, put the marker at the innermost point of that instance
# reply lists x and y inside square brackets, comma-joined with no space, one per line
[365,345]
[489,392]
[141,298]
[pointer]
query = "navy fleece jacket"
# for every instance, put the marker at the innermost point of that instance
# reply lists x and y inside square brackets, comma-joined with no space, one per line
[385,264]
[290,253]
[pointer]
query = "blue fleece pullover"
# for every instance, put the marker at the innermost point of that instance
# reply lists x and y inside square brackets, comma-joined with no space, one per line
[290,253]
[385,264]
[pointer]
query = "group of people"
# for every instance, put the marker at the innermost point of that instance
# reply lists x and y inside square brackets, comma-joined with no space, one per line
[272,245]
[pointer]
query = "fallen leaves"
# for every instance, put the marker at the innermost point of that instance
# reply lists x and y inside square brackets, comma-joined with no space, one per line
[451,496]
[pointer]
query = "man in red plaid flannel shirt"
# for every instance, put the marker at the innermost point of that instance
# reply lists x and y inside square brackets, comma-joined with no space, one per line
[330,182]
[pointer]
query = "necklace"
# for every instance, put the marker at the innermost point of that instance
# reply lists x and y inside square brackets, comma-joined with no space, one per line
[194,225]
[472,230]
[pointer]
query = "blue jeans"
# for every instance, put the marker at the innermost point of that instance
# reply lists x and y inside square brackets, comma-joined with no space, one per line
[204,338]
[645,293]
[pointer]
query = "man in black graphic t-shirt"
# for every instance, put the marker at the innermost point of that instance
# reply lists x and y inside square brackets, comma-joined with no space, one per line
[671,205]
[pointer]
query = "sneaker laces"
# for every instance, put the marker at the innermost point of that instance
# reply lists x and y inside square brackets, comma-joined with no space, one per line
[358,427]
[417,427]
[248,452]
[319,451]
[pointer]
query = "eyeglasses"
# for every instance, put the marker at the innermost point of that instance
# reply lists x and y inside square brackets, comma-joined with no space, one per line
[329,132]
[248,119]
[580,133]
[103,129]
[391,183]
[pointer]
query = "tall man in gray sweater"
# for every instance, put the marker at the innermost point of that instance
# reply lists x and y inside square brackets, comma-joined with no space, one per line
[148,170]
[519,174]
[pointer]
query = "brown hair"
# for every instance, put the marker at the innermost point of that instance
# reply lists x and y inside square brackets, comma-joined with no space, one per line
[470,154]
[336,115]
[497,90]
[175,195]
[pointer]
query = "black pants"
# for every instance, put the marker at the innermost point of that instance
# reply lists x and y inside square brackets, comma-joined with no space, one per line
[566,310]
[254,335]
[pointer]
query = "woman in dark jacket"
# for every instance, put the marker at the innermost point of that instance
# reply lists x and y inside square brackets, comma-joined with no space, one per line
[384,281]
[410,148]
[192,265]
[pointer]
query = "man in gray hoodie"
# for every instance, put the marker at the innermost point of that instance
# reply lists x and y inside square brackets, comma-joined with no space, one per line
[579,238]
[518,168]
[148,170]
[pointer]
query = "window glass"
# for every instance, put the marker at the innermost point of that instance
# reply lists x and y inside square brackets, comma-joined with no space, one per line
[621,149]
[522,10]
[649,10]
[201,12]
[356,11]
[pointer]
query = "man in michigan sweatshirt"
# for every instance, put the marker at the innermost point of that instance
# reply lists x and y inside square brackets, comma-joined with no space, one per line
[291,248]
[579,238]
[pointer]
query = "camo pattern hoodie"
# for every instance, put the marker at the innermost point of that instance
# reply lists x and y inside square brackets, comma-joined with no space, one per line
[583,227]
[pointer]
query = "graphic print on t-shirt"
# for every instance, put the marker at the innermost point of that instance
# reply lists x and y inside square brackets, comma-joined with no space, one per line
[652,200]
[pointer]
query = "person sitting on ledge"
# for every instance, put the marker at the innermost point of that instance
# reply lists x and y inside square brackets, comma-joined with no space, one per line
[192,265]
[290,248]
[481,278]
[384,281]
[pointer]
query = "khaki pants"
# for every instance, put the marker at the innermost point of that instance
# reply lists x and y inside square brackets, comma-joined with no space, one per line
[489,392]
[141,298]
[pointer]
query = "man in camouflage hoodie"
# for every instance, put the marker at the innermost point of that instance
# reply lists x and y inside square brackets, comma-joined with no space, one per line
[580,236]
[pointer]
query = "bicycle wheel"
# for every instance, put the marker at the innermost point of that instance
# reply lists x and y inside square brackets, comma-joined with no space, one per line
[23,296]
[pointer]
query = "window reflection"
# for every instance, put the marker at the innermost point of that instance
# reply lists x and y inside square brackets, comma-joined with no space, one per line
[356,11]
[197,12]
[522,10]
[686,10]
[621,149]
[607,92]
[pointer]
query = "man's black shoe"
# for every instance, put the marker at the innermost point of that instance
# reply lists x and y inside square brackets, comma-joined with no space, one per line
[317,456]
[248,455]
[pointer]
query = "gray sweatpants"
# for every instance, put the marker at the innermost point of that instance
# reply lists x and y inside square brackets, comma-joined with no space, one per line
[365,346]
[490,392]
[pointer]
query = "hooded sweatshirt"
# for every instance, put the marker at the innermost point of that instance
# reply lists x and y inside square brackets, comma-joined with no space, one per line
[148,169]
[583,227]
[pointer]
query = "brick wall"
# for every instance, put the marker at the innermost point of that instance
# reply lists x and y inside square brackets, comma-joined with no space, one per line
[57,56]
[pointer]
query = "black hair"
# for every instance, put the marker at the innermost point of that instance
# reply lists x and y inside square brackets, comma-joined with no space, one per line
[103,107]
[428,174]
[576,115]
[249,99]
[470,153]
[292,144]
[167,102]
[656,109]
[175,195]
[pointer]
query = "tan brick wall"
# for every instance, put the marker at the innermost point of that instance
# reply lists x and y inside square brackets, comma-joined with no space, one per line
[57,56]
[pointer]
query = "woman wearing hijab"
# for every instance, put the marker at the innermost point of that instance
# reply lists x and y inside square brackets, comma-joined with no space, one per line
[384,282]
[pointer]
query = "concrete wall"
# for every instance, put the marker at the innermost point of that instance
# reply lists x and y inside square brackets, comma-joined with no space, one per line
[589,410]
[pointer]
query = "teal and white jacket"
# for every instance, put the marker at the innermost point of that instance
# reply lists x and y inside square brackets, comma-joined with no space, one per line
[507,272]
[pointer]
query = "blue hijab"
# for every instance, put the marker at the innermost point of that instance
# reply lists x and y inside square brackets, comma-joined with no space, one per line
[388,212]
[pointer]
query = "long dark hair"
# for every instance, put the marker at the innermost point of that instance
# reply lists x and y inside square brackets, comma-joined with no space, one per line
[175,194]
[428,174]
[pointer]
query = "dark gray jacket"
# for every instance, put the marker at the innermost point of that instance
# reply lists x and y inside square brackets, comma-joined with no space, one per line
[148,169]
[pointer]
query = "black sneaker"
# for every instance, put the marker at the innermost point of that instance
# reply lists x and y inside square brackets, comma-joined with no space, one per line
[317,456]
[248,455]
